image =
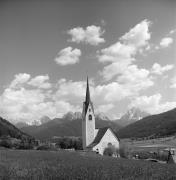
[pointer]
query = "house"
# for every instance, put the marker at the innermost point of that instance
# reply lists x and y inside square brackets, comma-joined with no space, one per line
[95,139]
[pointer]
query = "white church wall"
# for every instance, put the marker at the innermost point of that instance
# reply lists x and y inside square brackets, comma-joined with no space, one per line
[108,137]
[84,127]
[96,131]
[90,126]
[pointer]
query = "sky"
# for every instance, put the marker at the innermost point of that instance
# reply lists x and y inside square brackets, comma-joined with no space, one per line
[48,48]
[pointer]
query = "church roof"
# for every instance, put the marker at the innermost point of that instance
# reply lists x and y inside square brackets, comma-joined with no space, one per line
[87,92]
[101,132]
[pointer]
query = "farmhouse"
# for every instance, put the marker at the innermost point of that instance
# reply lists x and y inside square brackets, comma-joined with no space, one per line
[95,139]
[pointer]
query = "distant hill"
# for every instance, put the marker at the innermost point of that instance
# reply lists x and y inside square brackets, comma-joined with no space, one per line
[156,125]
[8,129]
[131,116]
[45,119]
[64,127]
[20,125]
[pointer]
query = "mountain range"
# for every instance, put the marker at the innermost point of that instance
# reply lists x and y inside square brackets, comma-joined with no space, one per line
[70,124]
[66,126]
[131,116]
[158,125]
[8,129]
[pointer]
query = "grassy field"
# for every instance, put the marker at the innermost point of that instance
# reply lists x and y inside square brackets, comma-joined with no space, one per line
[62,165]
[151,144]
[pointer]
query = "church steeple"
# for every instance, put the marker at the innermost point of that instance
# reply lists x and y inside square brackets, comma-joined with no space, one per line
[88,119]
[87,101]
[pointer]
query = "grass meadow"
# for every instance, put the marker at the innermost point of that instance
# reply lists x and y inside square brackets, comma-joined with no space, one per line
[63,165]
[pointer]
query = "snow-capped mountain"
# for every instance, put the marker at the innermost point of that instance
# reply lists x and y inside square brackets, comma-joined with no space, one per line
[21,124]
[71,116]
[42,120]
[131,116]
[101,116]
[78,115]
[45,119]
[69,125]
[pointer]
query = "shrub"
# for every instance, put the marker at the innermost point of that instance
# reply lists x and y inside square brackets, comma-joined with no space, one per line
[6,143]
[123,151]
[110,151]
[25,146]
[70,143]
[46,148]
[163,156]
[43,147]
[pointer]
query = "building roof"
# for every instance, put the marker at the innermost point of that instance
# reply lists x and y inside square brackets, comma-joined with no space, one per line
[101,132]
[88,100]
[87,92]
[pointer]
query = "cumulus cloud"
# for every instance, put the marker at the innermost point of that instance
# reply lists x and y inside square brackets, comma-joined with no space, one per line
[139,35]
[40,82]
[28,99]
[114,69]
[172,31]
[165,42]
[28,102]
[108,93]
[18,104]
[20,79]
[159,70]
[65,107]
[68,56]
[70,90]
[135,78]
[173,82]
[121,55]
[90,35]
[105,108]
[116,52]
[152,104]
[129,82]
[74,91]
[129,77]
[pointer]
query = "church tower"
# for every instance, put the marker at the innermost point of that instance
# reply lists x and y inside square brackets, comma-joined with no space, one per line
[88,120]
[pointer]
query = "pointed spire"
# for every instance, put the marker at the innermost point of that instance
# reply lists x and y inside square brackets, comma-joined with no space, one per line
[87,92]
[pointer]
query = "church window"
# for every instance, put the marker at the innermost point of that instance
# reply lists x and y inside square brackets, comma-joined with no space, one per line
[89,109]
[90,117]
[109,144]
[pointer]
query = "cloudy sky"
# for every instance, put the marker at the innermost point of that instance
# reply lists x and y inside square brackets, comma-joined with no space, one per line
[48,47]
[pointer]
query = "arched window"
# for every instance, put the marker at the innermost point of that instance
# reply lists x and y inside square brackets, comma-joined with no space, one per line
[90,117]
[109,144]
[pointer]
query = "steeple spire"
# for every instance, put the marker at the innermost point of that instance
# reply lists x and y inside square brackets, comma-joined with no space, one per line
[87,92]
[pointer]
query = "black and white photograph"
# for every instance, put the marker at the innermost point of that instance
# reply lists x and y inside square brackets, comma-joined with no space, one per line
[87,90]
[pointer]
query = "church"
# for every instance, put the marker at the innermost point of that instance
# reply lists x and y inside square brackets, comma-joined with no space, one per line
[95,139]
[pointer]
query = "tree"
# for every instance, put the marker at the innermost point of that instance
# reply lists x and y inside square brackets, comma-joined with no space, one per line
[111,150]
[6,143]
[123,151]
